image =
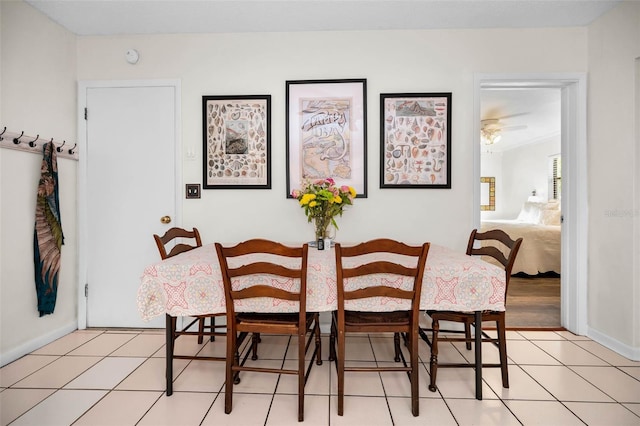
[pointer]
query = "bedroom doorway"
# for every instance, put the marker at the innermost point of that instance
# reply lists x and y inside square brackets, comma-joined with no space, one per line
[570,184]
[520,179]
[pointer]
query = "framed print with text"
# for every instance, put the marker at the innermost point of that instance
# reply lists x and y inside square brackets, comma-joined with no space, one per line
[326,132]
[415,140]
[236,142]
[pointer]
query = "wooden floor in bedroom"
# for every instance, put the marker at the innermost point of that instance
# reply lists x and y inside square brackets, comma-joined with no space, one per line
[533,302]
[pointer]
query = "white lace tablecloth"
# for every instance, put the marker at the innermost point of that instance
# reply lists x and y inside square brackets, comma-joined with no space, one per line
[191,284]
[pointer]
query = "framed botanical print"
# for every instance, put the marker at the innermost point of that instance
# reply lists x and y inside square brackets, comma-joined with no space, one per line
[236,142]
[326,132]
[415,140]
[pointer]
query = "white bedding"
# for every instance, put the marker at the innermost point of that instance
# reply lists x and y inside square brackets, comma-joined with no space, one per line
[540,249]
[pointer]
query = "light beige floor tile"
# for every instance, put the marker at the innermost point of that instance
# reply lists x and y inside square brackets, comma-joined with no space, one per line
[15,402]
[284,410]
[564,384]
[292,351]
[568,352]
[603,414]
[490,354]
[570,336]
[154,331]
[521,385]
[397,384]
[447,352]
[61,408]
[68,343]
[540,335]
[615,383]
[21,368]
[58,373]
[485,412]
[543,413]
[103,345]
[150,376]
[358,348]
[526,353]
[253,382]
[359,410]
[607,354]
[384,348]
[181,408]
[119,408]
[432,411]
[106,374]
[201,376]
[141,345]
[273,347]
[634,408]
[460,383]
[358,383]
[247,409]
[632,371]
[318,381]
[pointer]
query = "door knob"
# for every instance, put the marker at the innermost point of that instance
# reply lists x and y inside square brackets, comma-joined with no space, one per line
[165,219]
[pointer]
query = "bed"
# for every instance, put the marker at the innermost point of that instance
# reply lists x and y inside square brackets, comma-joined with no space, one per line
[539,226]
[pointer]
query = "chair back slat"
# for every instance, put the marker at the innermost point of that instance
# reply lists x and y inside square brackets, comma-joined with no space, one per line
[181,246]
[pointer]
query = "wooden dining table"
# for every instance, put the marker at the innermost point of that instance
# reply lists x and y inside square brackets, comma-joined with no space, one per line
[191,284]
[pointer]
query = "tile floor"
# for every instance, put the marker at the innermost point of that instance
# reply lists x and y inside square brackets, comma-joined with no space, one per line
[116,377]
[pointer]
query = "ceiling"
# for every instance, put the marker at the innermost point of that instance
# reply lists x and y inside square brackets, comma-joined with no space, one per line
[526,115]
[119,17]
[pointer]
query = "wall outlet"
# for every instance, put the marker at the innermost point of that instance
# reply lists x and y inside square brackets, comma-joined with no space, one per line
[193,190]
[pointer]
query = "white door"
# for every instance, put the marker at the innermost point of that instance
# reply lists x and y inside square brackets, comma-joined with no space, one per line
[130,185]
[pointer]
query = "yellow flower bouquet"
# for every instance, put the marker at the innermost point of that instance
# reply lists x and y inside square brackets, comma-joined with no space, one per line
[322,201]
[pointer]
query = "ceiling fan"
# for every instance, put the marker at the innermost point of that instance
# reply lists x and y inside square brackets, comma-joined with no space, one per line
[491,128]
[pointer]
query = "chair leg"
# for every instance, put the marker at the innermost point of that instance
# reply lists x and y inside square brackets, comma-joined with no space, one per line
[318,340]
[255,338]
[201,329]
[301,373]
[170,326]
[433,364]
[396,346]
[340,368]
[213,329]
[467,334]
[415,390]
[502,348]
[332,340]
[232,360]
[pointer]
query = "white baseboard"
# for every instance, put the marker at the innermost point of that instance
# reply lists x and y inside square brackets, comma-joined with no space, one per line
[613,344]
[37,343]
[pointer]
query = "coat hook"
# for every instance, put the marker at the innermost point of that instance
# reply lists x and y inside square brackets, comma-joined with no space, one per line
[3,130]
[72,148]
[33,142]
[17,140]
[59,149]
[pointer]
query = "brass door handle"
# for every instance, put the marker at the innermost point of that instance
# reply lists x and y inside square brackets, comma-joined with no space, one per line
[165,219]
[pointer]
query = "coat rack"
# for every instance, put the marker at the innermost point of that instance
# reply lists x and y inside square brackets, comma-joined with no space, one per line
[33,144]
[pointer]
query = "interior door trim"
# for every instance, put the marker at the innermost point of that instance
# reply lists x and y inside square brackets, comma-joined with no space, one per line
[83,87]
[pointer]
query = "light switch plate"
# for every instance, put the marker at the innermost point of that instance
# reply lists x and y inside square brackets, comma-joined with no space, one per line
[193,190]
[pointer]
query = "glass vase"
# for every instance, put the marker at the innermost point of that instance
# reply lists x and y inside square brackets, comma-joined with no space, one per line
[321,224]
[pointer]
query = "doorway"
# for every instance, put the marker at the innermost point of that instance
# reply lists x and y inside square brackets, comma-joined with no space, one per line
[520,131]
[573,204]
[128,181]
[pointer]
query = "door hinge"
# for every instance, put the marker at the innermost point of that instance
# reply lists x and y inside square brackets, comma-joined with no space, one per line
[85,113]
[86,290]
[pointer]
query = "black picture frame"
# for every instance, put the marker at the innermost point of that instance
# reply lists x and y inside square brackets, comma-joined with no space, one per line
[236,142]
[415,140]
[326,132]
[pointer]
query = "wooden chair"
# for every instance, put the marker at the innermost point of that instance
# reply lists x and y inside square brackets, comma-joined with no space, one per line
[354,282]
[274,259]
[184,241]
[506,256]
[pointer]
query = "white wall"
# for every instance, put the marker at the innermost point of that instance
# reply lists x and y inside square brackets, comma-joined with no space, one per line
[613,292]
[38,75]
[520,170]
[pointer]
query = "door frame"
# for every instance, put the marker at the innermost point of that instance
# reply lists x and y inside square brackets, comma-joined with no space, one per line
[573,86]
[83,87]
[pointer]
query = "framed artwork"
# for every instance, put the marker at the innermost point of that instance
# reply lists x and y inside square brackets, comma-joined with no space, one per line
[326,132]
[236,142]
[487,194]
[415,140]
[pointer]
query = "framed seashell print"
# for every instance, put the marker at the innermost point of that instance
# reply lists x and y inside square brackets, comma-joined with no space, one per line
[415,140]
[236,142]
[326,133]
